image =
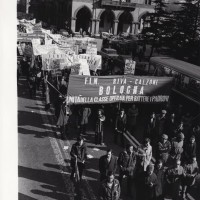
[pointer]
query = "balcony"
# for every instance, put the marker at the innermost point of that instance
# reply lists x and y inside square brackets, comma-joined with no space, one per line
[119,4]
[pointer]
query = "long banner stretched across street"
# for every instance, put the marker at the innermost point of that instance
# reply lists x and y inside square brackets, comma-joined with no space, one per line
[110,89]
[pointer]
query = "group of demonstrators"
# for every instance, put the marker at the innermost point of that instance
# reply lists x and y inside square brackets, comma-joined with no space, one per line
[171,174]
[47,62]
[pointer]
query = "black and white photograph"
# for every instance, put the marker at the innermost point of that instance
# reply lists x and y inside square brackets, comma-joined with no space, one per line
[107,100]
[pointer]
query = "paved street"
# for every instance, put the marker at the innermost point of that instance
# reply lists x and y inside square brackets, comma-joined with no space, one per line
[44,166]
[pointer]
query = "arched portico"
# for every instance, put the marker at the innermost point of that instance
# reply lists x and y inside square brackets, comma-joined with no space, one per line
[125,22]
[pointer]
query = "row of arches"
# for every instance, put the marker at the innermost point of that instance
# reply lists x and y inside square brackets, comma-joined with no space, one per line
[106,19]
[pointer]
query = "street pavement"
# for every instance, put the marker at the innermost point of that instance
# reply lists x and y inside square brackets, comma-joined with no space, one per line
[44,159]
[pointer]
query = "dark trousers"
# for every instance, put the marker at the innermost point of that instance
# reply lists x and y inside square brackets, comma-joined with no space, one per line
[64,131]
[99,137]
[81,166]
[83,129]
[118,134]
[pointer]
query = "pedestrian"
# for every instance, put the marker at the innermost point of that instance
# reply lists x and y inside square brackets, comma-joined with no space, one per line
[145,154]
[174,177]
[99,127]
[177,147]
[120,127]
[163,149]
[110,188]
[160,173]
[84,114]
[132,118]
[160,123]
[78,156]
[171,123]
[179,128]
[189,149]
[63,119]
[151,128]
[149,183]
[191,170]
[32,85]
[127,164]
[107,163]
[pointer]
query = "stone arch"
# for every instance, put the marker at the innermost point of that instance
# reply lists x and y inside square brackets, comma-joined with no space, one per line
[142,14]
[106,20]
[125,20]
[102,11]
[83,16]
[79,8]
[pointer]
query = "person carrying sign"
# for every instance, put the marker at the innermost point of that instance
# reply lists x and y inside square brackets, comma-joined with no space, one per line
[78,156]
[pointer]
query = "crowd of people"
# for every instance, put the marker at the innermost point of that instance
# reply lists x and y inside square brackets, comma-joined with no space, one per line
[168,137]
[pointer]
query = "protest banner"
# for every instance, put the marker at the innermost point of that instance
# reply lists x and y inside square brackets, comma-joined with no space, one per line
[43,49]
[110,89]
[91,50]
[129,66]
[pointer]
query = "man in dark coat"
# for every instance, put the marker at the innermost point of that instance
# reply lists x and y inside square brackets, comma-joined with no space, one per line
[84,114]
[78,155]
[120,126]
[191,170]
[149,183]
[189,149]
[171,123]
[163,148]
[160,172]
[110,188]
[107,163]
[160,122]
[127,163]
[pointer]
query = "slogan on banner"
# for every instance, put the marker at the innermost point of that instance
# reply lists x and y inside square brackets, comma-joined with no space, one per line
[110,89]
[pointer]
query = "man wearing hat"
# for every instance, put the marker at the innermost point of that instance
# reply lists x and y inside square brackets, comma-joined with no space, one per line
[164,148]
[78,156]
[177,146]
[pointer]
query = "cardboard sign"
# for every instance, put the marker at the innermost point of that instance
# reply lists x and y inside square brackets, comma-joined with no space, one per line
[129,67]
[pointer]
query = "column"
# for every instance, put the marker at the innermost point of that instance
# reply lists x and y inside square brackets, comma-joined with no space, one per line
[93,26]
[133,28]
[97,26]
[116,26]
[136,27]
[73,24]
[27,6]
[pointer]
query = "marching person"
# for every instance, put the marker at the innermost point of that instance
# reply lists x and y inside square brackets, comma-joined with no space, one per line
[132,117]
[149,182]
[84,114]
[164,148]
[78,156]
[145,154]
[120,126]
[190,149]
[99,127]
[160,173]
[177,147]
[107,163]
[127,164]
[151,128]
[174,177]
[191,170]
[160,122]
[110,188]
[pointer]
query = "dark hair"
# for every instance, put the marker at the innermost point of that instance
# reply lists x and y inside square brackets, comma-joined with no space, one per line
[128,146]
[110,173]
[79,138]
[109,150]
[147,140]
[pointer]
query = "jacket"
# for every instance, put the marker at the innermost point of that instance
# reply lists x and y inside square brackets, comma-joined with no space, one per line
[112,193]
[127,163]
[79,151]
[120,123]
[105,167]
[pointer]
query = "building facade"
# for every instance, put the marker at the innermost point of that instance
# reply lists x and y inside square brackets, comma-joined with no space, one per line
[92,16]
[113,16]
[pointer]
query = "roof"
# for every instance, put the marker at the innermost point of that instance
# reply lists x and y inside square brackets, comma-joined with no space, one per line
[180,66]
